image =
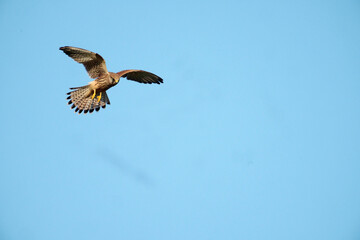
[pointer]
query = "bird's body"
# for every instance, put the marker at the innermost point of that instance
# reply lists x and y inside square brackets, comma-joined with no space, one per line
[104,82]
[93,96]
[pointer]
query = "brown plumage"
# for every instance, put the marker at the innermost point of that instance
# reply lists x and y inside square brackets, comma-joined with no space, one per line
[93,96]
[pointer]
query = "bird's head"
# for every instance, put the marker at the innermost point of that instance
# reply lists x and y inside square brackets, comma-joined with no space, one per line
[114,78]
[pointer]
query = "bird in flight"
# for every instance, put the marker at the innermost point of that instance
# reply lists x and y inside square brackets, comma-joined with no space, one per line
[93,96]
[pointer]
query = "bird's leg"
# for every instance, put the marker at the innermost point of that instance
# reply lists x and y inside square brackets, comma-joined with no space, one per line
[99,97]
[93,96]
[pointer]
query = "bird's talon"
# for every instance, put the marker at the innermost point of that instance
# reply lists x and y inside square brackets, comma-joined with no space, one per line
[99,97]
[93,96]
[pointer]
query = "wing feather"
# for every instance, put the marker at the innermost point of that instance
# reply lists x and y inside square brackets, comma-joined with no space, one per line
[140,76]
[93,62]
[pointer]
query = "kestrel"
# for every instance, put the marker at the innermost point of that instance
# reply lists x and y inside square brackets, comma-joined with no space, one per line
[93,96]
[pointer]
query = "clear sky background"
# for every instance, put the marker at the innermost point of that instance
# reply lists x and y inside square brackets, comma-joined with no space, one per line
[255,133]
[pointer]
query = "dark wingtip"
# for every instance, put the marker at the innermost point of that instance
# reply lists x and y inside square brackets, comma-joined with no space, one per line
[70,102]
[80,111]
[104,106]
[63,48]
[69,97]
[161,80]
[97,109]
[73,106]
[91,110]
[86,111]
[77,109]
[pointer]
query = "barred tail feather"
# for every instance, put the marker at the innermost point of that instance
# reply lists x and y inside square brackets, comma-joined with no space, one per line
[81,100]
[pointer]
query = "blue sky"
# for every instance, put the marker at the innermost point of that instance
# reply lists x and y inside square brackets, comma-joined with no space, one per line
[254,134]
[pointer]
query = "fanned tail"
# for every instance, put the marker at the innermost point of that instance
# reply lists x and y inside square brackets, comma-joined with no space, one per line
[81,99]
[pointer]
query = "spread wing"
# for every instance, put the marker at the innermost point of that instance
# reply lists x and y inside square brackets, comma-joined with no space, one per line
[140,76]
[93,62]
